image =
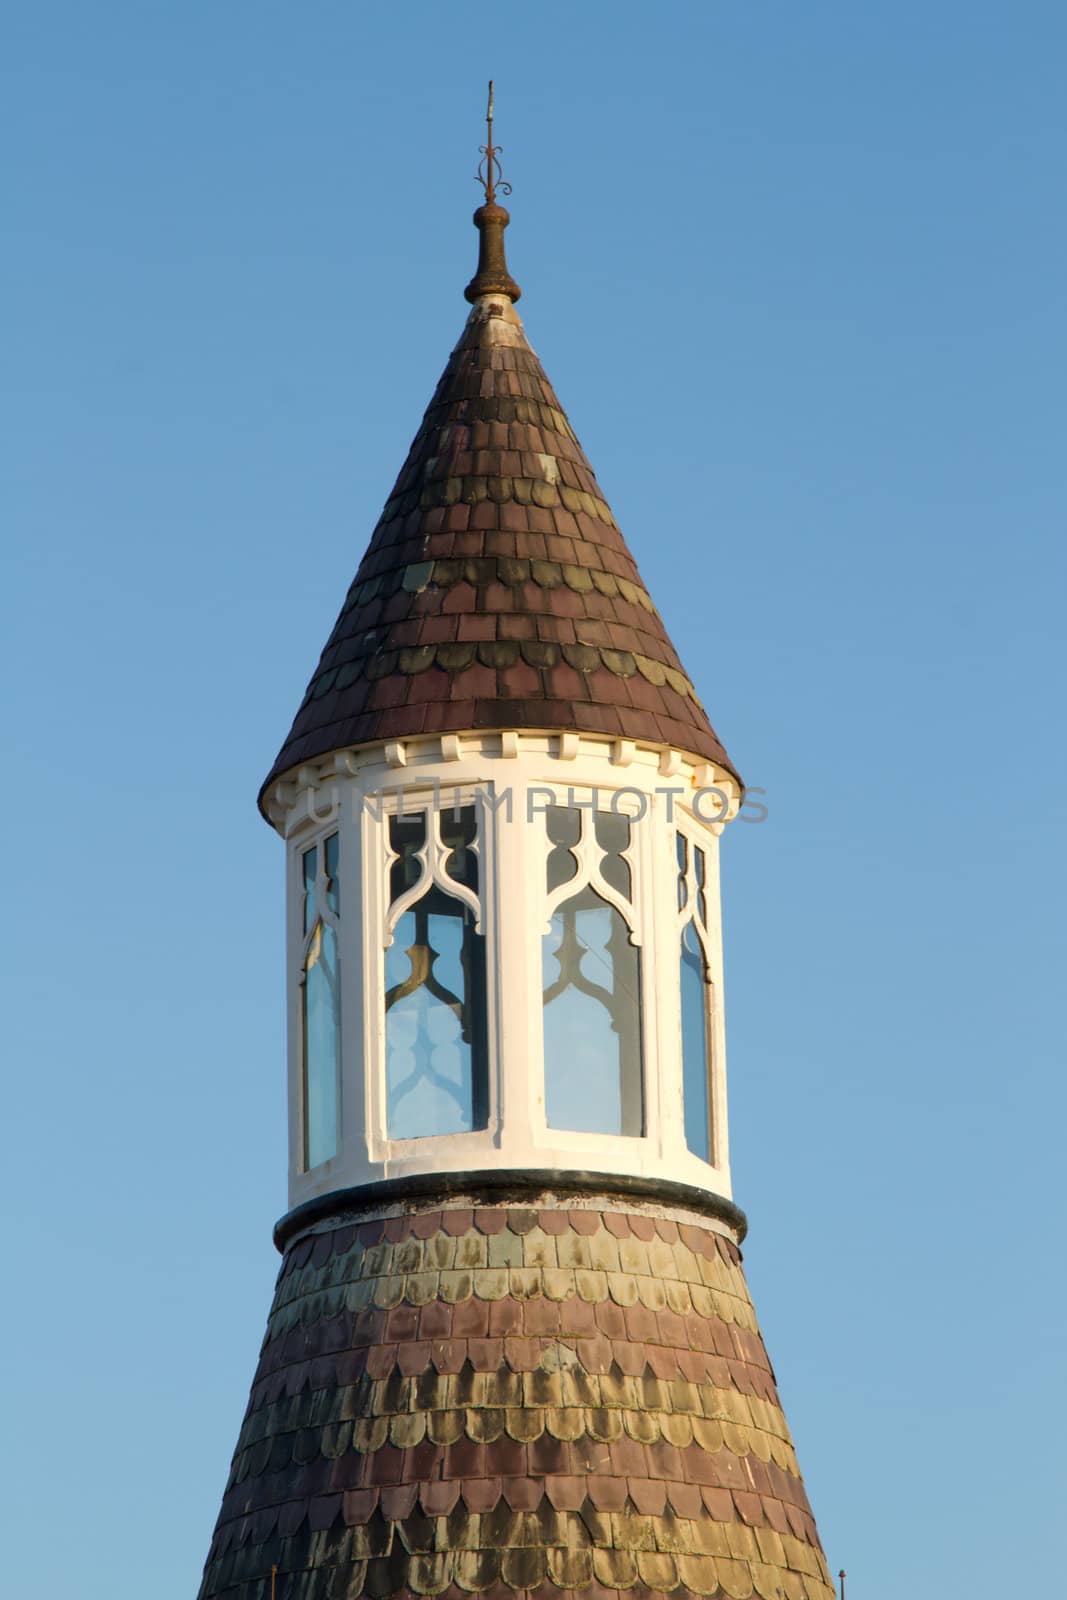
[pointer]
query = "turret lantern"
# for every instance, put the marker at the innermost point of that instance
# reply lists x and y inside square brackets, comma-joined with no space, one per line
[511,1349]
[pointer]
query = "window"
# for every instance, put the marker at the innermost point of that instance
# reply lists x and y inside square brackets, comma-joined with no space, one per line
[591,976]
[436,1041]
[320,1002]
[695,996]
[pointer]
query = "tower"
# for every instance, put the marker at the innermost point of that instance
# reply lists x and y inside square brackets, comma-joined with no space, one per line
[511,1349]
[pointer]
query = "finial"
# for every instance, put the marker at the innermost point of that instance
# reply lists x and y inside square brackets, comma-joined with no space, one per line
[492,276]
[841,1575]
[488,174]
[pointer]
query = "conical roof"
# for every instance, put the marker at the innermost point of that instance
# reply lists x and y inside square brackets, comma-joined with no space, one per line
[497,590]
[563,1399]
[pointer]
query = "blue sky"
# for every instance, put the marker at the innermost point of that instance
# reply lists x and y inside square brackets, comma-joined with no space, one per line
[797,273]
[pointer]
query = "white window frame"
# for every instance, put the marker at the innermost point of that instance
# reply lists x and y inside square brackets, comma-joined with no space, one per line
[297,945]
[696,838]
[637,913]
[380,919]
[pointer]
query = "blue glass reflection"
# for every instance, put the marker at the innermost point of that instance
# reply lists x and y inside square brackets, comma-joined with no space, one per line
[592,1020]
[694,991]
[435,1022]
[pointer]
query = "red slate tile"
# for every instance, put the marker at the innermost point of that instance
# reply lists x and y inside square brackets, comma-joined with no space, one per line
[649,1496]
[697,1332]
[384,1466]
[505,1318]
[750,1508]
[435,1320]
[589,1455]
[457,1223]
[607,1494]
[505,1458]
[485,1355]
[464,1459]
[631,1358]
[617,1224]
[422,1462]
[586,1223]
[640,1324]
[439,1498]
[664,1460]
[473,682]
[595,1354]
[461,598]
[540,1317]
[523,1494]
[629,1458]
[692,1365]
[776,1515]
[481,1494]
[718,1371]
[524,1355]
[685,1499]
[473,625]
[402,1322]
[398,1501]
[797,1520]
[548,1455]
[720,1335]
[554,1222]
[413,1357]
[718,1502]
[577,1318]
[433,684]
[566,1493]
[722,1468]
[381,1359]
[359,1506]
[519,682]
[470,1319]
[672,1330]
[741,1377]
[643,1228]
[426,1224]
[610,1320]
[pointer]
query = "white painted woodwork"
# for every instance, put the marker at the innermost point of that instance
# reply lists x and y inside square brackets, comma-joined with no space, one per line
[353,792]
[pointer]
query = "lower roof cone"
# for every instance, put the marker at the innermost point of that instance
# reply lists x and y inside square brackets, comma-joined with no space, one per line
[564,1396]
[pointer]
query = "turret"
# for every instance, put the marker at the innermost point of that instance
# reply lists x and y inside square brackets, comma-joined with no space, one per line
[511,1348]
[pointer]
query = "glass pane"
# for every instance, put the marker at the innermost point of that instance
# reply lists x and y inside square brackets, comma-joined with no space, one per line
[695,1045]
[592,1018]
[311,869]
[407,835]
[436,1053]
[682,847]
[700,861]
[613,837]
[458,833]
[564,825]
[322,1046]
[331,873]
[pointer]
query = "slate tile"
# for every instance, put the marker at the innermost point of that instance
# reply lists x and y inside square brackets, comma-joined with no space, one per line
[535,1444]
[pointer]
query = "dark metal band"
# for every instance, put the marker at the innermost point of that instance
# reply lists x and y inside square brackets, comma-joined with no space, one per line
[508,1184]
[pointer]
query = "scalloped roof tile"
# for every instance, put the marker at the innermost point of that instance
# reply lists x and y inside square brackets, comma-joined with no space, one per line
[497,590]
[409,1438]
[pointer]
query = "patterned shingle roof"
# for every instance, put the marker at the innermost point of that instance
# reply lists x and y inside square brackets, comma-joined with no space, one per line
[497,590]
[514,1401]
